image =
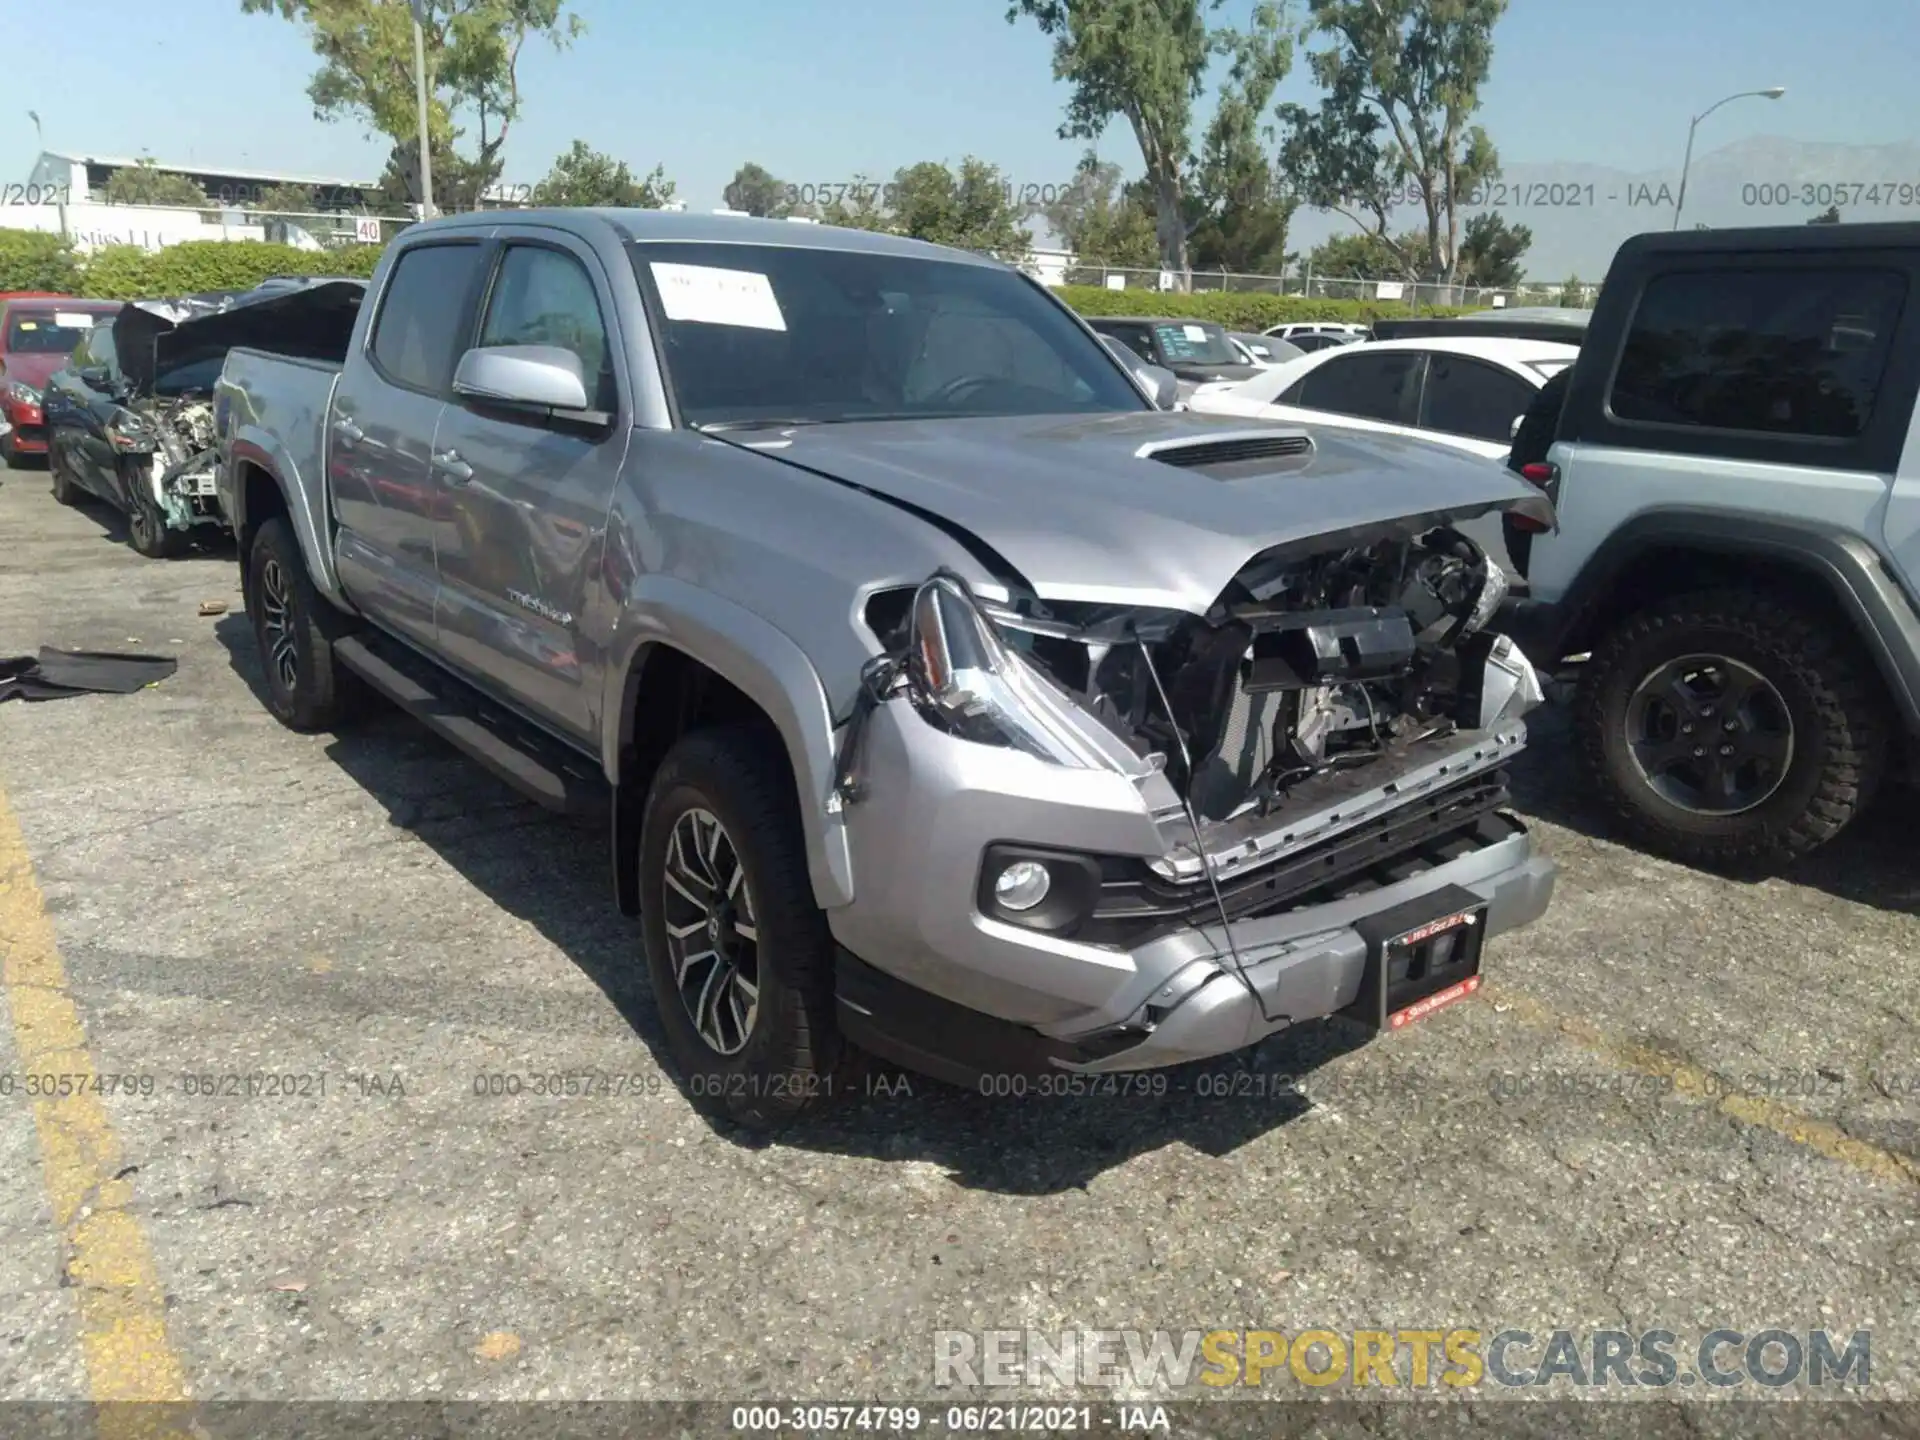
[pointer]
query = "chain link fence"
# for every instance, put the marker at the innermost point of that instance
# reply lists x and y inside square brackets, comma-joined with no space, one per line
[1305,284]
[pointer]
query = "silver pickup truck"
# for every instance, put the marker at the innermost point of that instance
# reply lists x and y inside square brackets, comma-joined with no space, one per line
[949,700]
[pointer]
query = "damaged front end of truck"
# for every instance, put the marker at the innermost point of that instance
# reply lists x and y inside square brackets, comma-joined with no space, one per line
[1340,715]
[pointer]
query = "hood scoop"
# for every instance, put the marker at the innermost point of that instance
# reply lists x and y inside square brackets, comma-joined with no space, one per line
[1235,449]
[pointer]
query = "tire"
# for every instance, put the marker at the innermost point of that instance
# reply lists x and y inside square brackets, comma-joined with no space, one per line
[790,1057]
[9,455]
[147,530]
[306,690]
[1808,736]
[64,490]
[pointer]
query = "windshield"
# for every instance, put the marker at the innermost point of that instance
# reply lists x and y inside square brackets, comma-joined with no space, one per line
[195,377]
[773,332]
[1188,343]
[46,332]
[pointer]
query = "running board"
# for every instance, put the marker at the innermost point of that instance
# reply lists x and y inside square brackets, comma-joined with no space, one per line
[540,768]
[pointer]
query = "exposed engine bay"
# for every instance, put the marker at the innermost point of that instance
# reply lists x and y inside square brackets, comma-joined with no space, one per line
[1308,665]
[180,465]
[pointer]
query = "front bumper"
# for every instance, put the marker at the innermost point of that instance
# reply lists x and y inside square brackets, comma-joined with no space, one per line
[930,981]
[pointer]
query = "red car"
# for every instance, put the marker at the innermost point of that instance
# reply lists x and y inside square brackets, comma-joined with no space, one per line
[37,333]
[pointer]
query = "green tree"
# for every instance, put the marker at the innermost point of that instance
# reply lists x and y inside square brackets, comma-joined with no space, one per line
[365,49]
[286,199]
[1490,252]
[1828,216]
[756,190]
[1573,294]
[972,208]
[1365,256]
[1402,83]
[1239,208]
[583,176]
[1101,221]
[861,208]
[144,183]
[1146,61]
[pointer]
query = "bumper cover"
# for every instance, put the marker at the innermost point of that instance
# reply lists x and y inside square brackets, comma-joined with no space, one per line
[1302,965]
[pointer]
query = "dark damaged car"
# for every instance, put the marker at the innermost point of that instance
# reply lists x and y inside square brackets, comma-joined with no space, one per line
[129,419]
[953,703]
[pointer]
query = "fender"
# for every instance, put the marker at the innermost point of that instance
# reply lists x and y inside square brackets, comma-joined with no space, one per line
[769,669]
[1845,564]
[304,498]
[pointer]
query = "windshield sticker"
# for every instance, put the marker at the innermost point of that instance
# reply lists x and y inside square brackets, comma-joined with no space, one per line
[73,321]
[709,295]
[29,324]
[1195,333]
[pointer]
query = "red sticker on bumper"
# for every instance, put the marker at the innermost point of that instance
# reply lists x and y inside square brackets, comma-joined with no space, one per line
[1439,1000]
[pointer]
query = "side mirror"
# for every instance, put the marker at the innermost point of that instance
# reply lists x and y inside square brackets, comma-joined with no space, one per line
[1163,385]
[96,377]
[546,376]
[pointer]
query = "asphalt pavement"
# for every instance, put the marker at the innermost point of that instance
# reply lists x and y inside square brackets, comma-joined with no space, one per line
[1682,1102]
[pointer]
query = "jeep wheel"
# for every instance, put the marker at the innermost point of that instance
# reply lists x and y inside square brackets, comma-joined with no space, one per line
[295,630]
[1725,728]
[738,954]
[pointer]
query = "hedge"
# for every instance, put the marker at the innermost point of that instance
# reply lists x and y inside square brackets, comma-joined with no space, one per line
[1235,309]
[126,272]
[38,260]
[34,260]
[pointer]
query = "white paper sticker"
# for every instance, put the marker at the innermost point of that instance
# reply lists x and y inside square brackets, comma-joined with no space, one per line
[709,295]
[74,320]
[1196,333]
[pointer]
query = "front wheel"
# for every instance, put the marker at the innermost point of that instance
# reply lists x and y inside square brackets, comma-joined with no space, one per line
[147,528]
[1726,728]
[738,954]
[65,491]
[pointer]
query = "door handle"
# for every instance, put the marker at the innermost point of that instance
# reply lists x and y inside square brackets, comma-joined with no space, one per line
[449,463]
[346,431]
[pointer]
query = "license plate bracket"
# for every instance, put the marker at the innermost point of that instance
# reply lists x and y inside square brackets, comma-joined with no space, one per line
[1421,956]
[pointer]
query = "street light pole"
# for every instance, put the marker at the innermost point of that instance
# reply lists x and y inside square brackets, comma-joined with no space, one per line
[419,8]
[1772,92]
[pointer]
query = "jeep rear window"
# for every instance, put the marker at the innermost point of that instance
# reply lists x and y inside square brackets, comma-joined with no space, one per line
[1785,352]
[778,332]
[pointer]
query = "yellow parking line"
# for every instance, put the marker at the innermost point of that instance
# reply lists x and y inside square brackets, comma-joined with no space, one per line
[1691,1080]
[123,1329]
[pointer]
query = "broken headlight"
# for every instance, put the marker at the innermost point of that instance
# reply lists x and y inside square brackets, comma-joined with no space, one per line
[963,676]
[130,432]
[1492,591]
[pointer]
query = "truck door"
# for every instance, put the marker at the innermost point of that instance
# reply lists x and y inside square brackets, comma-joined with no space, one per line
[380,439]
[526,495]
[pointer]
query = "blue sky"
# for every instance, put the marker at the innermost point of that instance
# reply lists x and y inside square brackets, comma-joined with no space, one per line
[821,90]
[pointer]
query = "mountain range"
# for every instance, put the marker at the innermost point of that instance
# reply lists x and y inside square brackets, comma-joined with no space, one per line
[1580,212]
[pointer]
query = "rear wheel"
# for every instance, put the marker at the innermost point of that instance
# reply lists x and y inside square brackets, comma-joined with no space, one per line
[295,629]
[1726,728]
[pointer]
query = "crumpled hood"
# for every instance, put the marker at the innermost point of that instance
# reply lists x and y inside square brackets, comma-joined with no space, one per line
[1068,502]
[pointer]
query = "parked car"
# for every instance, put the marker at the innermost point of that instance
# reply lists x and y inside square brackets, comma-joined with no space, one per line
[1736,466]
[948,700]
[1311,335]
[130,420]
[1564,324]
[1263,350]
[1196,351]
[1466,394]
[37,333]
